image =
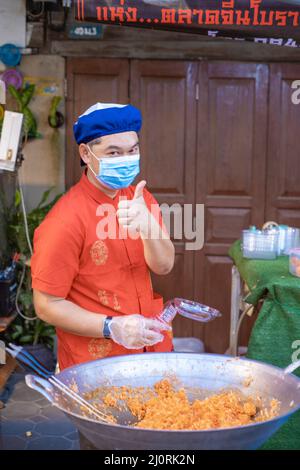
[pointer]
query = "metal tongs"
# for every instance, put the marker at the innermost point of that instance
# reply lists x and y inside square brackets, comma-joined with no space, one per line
[188,309]
[45,381]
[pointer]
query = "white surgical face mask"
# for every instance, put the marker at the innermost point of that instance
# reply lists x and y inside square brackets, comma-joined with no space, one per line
[117,172]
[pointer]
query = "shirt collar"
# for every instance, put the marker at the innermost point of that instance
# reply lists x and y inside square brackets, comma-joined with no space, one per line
[95,193]
[99,196]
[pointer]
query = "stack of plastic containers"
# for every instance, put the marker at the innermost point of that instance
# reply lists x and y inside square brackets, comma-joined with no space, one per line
[271,241]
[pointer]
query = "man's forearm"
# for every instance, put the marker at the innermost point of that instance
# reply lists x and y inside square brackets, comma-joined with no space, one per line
[159,251]
[68,316]
[159,255]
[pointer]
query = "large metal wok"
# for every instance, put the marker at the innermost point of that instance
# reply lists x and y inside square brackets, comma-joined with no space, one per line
[207,371]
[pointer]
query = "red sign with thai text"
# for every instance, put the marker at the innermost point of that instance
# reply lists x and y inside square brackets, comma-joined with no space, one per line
[269,22]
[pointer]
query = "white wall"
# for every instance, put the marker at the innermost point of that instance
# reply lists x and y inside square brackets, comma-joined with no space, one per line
[13,22]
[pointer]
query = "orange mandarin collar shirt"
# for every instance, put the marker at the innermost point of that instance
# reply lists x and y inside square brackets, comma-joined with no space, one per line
[72,259]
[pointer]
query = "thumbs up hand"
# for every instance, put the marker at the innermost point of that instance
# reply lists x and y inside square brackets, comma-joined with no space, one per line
[133,214]
[138,193]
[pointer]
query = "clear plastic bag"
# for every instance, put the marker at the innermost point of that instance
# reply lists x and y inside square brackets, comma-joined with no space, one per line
[188,309]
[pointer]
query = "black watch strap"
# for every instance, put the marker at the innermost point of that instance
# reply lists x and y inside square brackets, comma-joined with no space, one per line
[106,327]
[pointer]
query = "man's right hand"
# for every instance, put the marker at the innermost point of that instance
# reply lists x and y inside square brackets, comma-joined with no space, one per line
[136,331]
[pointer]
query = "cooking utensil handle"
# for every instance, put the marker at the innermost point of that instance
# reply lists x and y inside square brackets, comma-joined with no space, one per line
[292,367]
[40,385]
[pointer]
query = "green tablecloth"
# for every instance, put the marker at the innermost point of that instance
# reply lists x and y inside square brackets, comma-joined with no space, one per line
[277,328]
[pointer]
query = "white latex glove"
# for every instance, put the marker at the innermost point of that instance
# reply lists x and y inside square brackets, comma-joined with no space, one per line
[134,215]
[136,331]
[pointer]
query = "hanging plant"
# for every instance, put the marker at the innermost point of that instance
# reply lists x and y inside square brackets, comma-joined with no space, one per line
[55,118]
[23,98]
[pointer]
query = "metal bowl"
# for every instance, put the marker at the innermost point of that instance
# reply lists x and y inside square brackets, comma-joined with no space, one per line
[207,371]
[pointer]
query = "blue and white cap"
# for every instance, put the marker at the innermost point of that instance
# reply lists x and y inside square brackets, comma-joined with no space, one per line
[104,119]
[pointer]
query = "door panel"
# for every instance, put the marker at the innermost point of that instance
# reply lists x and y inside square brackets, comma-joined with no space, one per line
[283,193]
[217,287]
[219,232]
[231,156]
[91,80]
[165,93]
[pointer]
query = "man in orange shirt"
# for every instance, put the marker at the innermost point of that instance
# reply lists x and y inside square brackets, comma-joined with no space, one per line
[94,250]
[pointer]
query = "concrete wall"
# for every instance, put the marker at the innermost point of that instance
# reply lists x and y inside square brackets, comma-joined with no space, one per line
[44,158]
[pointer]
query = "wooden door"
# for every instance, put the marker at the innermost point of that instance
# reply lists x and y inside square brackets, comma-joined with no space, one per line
[90,80]
[231,171]
[165,91]
[283,182]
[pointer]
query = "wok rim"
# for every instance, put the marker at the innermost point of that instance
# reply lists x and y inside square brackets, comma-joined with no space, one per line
[231,428]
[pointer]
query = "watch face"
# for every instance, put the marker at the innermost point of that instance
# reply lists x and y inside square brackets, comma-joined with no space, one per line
[106,329]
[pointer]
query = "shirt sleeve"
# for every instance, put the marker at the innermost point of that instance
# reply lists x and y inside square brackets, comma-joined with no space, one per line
[55,260]
[154,208]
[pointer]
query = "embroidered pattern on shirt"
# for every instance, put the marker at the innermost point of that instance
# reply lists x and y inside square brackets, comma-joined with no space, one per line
[103,297]
[116,306]
[99,252]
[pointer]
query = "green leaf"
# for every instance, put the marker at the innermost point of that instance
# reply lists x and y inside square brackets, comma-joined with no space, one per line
[29,122]
[53,110]
[27,94]
[47,332]
[18,329]
[15,335]
[15,94]
[17,198]
[26,339]
[26,299]
[45,197]
[54,104]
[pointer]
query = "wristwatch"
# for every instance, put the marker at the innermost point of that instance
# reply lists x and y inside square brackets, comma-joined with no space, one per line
[106,327]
